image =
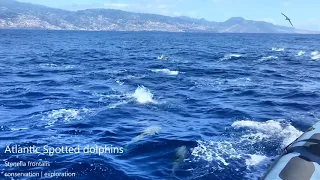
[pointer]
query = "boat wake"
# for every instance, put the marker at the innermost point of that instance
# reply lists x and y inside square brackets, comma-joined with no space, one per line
[241,148]
[269,130]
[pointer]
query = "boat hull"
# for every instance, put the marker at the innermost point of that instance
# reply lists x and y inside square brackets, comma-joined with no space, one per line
[300,160]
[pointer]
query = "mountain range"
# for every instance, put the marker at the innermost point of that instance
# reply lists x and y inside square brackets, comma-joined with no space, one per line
[19,15]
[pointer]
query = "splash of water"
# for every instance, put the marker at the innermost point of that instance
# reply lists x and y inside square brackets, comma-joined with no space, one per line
[269,58]
[269,129]
[143,95]
[166,71]
[230,56]
[300,53]
[214,151]
[220,154]
[277,49]
[255,159]
[315,55]
[64,115]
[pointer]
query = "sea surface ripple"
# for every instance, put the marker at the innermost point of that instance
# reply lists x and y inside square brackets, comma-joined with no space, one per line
[221,107]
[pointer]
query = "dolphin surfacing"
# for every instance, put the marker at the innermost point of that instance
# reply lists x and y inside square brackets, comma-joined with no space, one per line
[180,156]
[150,131]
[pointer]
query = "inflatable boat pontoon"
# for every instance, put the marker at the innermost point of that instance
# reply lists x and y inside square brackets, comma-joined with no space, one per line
[300,160]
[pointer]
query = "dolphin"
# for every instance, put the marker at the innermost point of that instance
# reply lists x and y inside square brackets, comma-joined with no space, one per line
[150,131]
[288,19]
[180,156]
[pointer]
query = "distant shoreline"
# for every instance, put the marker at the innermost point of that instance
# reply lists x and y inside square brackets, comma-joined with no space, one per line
[18,15]
[197,32]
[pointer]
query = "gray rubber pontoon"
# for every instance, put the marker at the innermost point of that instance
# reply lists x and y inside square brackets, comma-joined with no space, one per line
[300,160]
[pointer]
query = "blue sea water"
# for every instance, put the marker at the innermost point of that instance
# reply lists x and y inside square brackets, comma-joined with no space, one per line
[221,107]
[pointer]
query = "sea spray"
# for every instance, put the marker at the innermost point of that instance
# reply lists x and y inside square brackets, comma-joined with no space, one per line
[277,49]
[268,58]
[255,159]
[300,53]
[315,55]
[64,115]
[242,145]
[269,129]
[230,56]
[143,95]
[166,71]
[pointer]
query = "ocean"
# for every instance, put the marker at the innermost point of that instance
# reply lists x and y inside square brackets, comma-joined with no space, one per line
[101,105]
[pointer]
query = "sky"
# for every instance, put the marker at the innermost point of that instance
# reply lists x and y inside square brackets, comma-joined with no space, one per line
[303,14]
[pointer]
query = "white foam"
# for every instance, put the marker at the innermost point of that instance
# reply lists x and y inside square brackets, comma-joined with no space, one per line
[230,56]
[256,137]
[134,77]
[315,55]
[277,49]
[119,82]
[215,151]
[65,115]
[257,166]
[143,95]
[227,151]
[166,71]
[269,129]
[115,105]
[255,159]
[238,148]
[55,66]
[300,53]
[220,154]
[106,96]
[235,55]
[48,65]
[203,151]
[19,129]
[269,58]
